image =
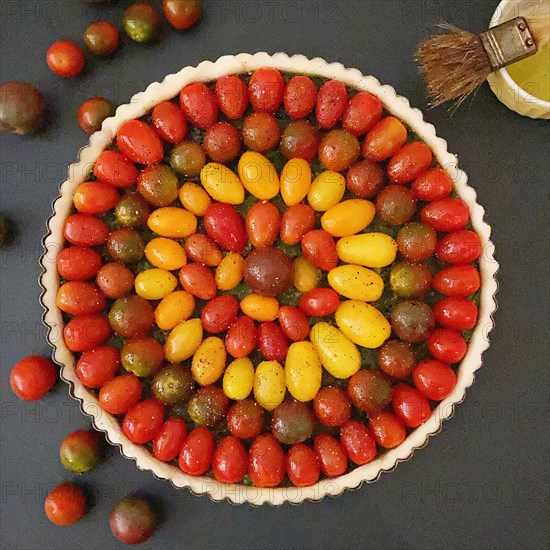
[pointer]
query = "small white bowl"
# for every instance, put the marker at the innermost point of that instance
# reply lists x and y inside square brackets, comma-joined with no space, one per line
[502,84]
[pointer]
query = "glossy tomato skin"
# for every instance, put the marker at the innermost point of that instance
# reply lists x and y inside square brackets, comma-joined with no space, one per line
[409,162]
[115,280]
[433,185]
[388,430]
[300,96]
[396,359]
[132,520]
[169,440]
[197,451]
[339,150]
[241,337]
[114,168]
[139,142]
[358,442]
[457,280]
[230,460]
[384,140]
[199,105]
[446,214]
[92,112]
[298,220]
[268,271]
[319,302]
[300,139]
[272,341]
[294,323]
[365,179]
[219,313]
[182,14]
[33,377]
[198,280]
[245,419]
[222,142]
[95,197]
[232,96]
[78,263]
[169,121]
[102,38]
[447,345]
[65,58]
[86,332]
[302,465]
[131,316]
[65,504]
[319,248]
[410,405]
[261,132]
[80,451]
[143,421]
[434,379]
[85,230]
[202,249]
[362,113]
[331,103]
[80,298]
[456,313]
[226,227]
[97,366]
[266,466]
[331,455]
[265,90]
[120,393]
[332,406]
[459,247]
[263,222]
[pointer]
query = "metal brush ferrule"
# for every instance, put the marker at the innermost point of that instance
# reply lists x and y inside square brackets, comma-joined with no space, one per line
[509,42]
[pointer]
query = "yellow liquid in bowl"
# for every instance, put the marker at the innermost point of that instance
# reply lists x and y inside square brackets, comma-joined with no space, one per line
[533,73]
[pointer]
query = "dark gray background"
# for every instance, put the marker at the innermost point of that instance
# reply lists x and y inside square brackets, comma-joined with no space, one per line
[482,483]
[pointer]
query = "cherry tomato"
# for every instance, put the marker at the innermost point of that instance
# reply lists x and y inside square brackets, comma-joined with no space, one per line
[202,249]
[115,280]
[182,14]
[225,226]
[338,150]
[65,504]
[241,337]
[261,132]
[265,90]
[319,248]
[300,96]
[363,112]
[102,38]
[416,241]
[446,214]
[143,421]
[456,280]
[65,58]
[319,302]
[358,442]
[384,140]
[456,313]
[80,298]
[266,466]
[92,112]
[232,95]
[132,520]
[395,204]
[169,121]
[85,230]
[298,220]
[433,185]
[97,366]
[263,222]
[332,457]
[199,105]
[78,263]
[434,379]
[331,103]
[114,168]
[142,355]
[33,377]
[222,142]
[369,390]
[294,323]
[447,345]
[396,359]
[86,332]
[141,21]
[139,142]
[80,451]
[198,280]
[410,405]
[120,393]
[365,179]
[268,271]
[388,429]
[409,162]
[197,451]
[131,316]
[302,465]
[95,197]
[272,341]
[245,419]
[219,313]
[169,440]
[459,247]
[332,406]
[300,139]
[230,460]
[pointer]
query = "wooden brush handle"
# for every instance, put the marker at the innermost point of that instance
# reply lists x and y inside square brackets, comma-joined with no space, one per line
[540,29]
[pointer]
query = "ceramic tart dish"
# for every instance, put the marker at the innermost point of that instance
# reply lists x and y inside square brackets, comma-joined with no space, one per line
[268,300]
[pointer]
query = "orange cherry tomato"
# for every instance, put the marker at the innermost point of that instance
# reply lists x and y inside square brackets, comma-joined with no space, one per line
[95,197]
[263,222]
[388,429]
[198,280]
[114,168]
[319,248]
[298,220]
[384,140]
[120,393]
[65,504]
[80,298]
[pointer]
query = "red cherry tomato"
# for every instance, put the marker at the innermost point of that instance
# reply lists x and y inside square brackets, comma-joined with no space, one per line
[302,465]
[409,162]
[232,95]
[95,197]
[77,263]
[358,442]
[434,379]
[459,247]
[265,90]
[298,220]
[446,214]
[225,226]
[384,140]
[319,302]
[169,440]
[319,248]
[139,142]
[197,451]
[143,421]
[120,393]
[222,142]
[198,280]
[219,313]
[65,504]
[294,323]
[199,105]
[80,298]
[86,332]
[331,103]
[266,461]
[433,185]
[447,345]
[230,460]
[388,429]
[245,419]
[300,96]
[456,280]
[263,222]
[169,122]
[182,14]
[331,455]
[114,168]
[97,366]
[272,341]
[363,112]
[456,313]
[410,405]
[65,58]
[241,337]
[332,406]
[33,377]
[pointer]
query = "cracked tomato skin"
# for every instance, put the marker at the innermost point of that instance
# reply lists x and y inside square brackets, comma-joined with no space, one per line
[33,377]
[266,466]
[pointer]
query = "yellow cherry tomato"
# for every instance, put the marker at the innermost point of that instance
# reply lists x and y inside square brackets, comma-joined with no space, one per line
[222,184]
[194,198]
[260,308]
[295,181]
[183,341]
[258,175]
[367,249]
[348,217]
[303,371]
[172,222]
[338,354]
[326,190]
[165,253]
[356,282]
[362,323]
[269,384]
[155,284]
[229,272]
[175,308]
[238,379]
[209,361]
[306,275]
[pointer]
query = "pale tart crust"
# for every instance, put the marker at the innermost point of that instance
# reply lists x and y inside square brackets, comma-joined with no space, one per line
[139,105]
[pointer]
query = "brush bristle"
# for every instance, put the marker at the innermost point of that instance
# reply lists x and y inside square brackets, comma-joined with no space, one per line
[453,65]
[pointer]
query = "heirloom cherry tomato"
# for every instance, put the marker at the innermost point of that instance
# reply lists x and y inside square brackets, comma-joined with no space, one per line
[410,405]
[348,217]
[143,421]
[219,313]
[326,191]
[173,384]
[410,280]
[384,140]
[169,440]
[332,457]
[97,366]
[367,249]
[199,105]
[363,112]
[266,466]
[80,451]
[338,150]
[102,38]
[115,280]
[65,58]
[268,271]
[295,181]
[165,254]
[120,393]
[298,220]
[112,167]
[196,454]
[182,14]
[395,204]
[226,227]
[362,323]
[446,214]
[300,96]
[356,283]
[78,263]
[22,108]
[263,222]
[80,298]
[172,222]
[260,308]
[258,175]
[306,275]
[222,142]
[433,185]
[95,197]
[238,379]
[456,313]
[241,337]
[169,121]
[194,198]
[319,302]
[261,132]
[132,520]
[132,210]
[188,158]
[229,272]
[331,103]
[93,112]
[141,22]
[456,280]
[412,321]
[388,430]
[292,422]
[131,316]
[319,248]
[202,249]
[232,95]
[265,90]
[434,379]
[369,391]
[230,460]
[459,247]
[300,139]
[416,241]
[86,332]
[358,442]
[33,377]
[365,179]
[269,384]
[139,142]
[155,284]
[302,465]
[409,162]
[303,371]
[142,356]
[158,184]
[85,230]
[272,341]
[198,280]
[294,323]
[245,419]
[447,345]
[174,309]
[396,359]
[65,504]
[332,406]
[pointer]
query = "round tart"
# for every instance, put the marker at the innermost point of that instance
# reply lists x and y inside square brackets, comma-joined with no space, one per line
[267,280]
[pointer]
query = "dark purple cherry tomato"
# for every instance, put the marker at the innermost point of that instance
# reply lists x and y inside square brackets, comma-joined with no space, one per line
[300,139]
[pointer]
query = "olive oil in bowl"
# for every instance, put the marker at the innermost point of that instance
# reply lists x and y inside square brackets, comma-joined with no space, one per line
[533,74]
